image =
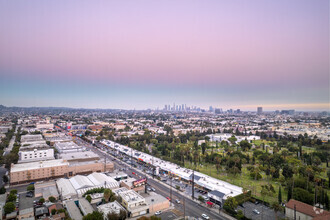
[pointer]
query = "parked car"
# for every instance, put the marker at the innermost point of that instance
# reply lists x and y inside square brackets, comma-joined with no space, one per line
[256,211]
[177,201]
[29,194]
[204,216]
[153,189]
[168,198]
[158,212]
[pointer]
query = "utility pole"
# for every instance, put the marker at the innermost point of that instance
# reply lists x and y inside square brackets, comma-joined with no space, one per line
[171,190]
[153,168]
[105,163]
[193,184]
[294,208]
[184,207]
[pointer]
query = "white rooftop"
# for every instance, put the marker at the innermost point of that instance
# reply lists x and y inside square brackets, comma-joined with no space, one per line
[38,165]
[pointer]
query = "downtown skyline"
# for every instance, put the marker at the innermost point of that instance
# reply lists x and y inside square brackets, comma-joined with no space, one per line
[139,55]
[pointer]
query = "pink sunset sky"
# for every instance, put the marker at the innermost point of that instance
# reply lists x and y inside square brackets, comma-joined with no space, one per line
[220,53]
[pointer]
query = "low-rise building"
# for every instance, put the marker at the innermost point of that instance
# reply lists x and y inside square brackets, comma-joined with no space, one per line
[111,207]
[29,155]
[46,190]
[73,210]
[134,203]
[298,210]
[157,202]
[20,173]
[26,213]
[66,147]
[134,184]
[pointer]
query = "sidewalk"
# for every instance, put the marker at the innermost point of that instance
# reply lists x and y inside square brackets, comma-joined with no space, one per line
[216,211]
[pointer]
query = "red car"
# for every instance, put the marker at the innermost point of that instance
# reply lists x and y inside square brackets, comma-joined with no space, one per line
[133,173]
[168,198]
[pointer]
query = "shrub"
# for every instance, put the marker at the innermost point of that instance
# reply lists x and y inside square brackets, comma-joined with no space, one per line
[30,187]
[52,199]
[9,207]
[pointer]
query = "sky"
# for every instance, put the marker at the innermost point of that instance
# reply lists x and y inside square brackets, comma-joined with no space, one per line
[145,54]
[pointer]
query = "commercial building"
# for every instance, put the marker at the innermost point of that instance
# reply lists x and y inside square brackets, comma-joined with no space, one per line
[51,169]
[32,139]
[134,203]
[65,188]
[186,175]
[25,172]
[156,202]
[46,190]
[79,156]
[134,184]
[259,110]
[37,154]
[67,147]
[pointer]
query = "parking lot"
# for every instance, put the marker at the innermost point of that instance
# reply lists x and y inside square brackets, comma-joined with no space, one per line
[26,202]
[168,215]
[265,212]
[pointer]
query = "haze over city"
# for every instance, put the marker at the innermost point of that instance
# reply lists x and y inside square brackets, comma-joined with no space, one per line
[145,54]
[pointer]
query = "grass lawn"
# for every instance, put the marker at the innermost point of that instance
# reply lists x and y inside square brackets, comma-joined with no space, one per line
[243,180]
[258,142]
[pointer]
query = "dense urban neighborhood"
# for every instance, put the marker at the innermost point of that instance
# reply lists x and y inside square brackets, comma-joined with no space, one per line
[175,163]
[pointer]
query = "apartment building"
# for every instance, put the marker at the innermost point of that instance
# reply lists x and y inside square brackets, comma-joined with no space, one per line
[32,155]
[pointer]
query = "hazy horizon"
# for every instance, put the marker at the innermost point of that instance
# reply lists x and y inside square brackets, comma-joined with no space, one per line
[145,54]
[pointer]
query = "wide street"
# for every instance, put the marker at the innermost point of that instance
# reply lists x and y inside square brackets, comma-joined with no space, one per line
[193,209]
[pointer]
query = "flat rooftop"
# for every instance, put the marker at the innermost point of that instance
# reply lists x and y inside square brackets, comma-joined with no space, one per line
[38,165]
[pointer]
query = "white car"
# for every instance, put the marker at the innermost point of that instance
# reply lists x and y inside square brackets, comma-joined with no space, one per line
[158,212]
[205,216]
[256,211]
[177,201]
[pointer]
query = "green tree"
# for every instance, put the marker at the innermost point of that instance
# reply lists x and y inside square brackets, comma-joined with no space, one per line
[89,198]
[107,194]
[230,204]
[41,200]
[53,211]
[30,187]
[201,199]
[52,199]
[2,190]
[279,195]
[5,178]
[277,207]
[11,197]
[14,191]
[9,207]
[93,216]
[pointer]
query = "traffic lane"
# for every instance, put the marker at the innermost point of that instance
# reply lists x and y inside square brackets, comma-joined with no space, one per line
[192,208]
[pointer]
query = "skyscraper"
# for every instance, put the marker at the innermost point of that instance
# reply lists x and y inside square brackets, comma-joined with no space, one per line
[259,110]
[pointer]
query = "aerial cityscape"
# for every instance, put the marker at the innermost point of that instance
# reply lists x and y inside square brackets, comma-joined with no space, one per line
[172,110]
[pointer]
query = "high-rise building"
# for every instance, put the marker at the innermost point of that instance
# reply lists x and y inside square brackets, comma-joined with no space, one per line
[259,110]
[211,109]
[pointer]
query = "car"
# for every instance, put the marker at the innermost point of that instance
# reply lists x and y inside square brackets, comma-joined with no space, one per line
[153,189]
[29,194]
[177,201]
[204,216]
[149,189]
[256,203]
[168,198]
[158,212]
[256,211]
[133,173]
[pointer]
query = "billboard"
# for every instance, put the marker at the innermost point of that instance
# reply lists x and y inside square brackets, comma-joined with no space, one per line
[140,182]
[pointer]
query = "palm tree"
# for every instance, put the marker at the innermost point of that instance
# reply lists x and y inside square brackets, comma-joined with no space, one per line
[107,195]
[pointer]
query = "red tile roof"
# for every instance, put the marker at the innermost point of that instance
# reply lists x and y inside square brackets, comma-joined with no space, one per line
[308,210]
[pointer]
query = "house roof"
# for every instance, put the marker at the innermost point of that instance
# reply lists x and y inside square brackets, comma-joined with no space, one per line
[307,209]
